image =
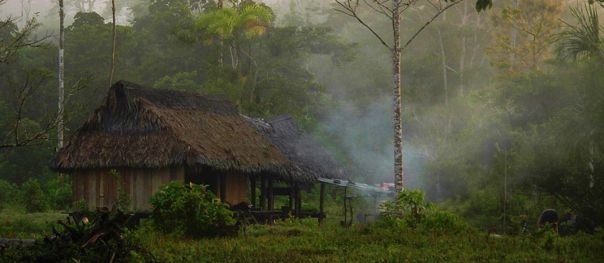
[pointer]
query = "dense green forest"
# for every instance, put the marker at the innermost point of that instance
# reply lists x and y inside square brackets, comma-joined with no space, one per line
[503,110]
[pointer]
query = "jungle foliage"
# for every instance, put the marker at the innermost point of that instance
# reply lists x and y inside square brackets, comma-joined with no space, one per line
[191,211]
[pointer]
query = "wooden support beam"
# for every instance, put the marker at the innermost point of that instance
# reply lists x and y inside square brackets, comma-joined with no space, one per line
[298,202]
[322,203]
[290,201]
[262,192]
[253,190]
[283,191]
[222,186]
[271,197]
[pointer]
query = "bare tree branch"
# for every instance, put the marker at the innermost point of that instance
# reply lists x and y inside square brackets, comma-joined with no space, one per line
[405,7]
[350,10]
[24,93]
[21,38]
[436,15]
[433,5]
[381,10]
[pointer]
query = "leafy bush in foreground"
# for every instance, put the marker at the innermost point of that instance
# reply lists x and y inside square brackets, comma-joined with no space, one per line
[103,238]
[191,210]
[410,210]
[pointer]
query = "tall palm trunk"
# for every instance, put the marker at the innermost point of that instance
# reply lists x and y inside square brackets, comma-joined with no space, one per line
[221,45]
[396,73]
[60,123]
[113,45]
[462,56]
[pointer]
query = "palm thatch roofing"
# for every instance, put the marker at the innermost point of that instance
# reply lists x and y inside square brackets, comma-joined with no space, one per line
[309,158]
[151,128]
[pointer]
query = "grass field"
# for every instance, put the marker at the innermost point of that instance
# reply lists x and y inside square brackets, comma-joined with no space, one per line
[305,241]
[15,224]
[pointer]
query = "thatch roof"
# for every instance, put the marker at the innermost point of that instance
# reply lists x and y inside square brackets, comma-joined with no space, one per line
[309,158]
[151,128]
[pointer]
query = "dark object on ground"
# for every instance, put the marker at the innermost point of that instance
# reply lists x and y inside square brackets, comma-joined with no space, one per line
[549,216]
[20,243]
[582,223]
[572,223]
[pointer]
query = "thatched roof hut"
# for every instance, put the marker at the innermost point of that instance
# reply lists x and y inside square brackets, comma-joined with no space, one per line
[309,158]
[153,136]
[152,128]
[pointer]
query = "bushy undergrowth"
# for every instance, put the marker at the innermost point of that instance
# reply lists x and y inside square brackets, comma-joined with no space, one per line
[7,193]
[409,209]
[33,197]
[36,196]
[190,210]
[105,237]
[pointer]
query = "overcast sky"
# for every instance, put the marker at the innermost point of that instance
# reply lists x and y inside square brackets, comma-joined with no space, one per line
[14,7]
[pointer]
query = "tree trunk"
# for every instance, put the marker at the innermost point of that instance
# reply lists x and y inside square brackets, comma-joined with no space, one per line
[60,124]
[476,46]
[350,8]
[462,56]
[113,45]
[396,73]
[514,41]
[221,42]
[505,189]
[443,56]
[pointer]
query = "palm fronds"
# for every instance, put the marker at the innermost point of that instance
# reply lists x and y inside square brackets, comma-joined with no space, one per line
[583,39]
[250,21]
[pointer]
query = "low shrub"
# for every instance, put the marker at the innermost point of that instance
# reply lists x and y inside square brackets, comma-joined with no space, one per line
[408,206]
[33,197]
[7,193]
[58,192]
[438,220]
[410,209]
[191,210]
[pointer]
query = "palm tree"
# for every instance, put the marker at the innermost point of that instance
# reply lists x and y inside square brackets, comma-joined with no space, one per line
[231,25]
[61,103]
[113,44]
[582,40]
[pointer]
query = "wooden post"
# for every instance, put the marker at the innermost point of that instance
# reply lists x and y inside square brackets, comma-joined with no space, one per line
[298,202]
[253,190]
[291,196]
[262,192]
[271,197]
[222,187]
[322,203]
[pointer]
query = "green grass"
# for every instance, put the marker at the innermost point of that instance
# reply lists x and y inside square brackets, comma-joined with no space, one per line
[305,241]
[21,225]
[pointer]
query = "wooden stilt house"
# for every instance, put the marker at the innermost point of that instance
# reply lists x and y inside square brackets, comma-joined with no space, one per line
[152,136]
